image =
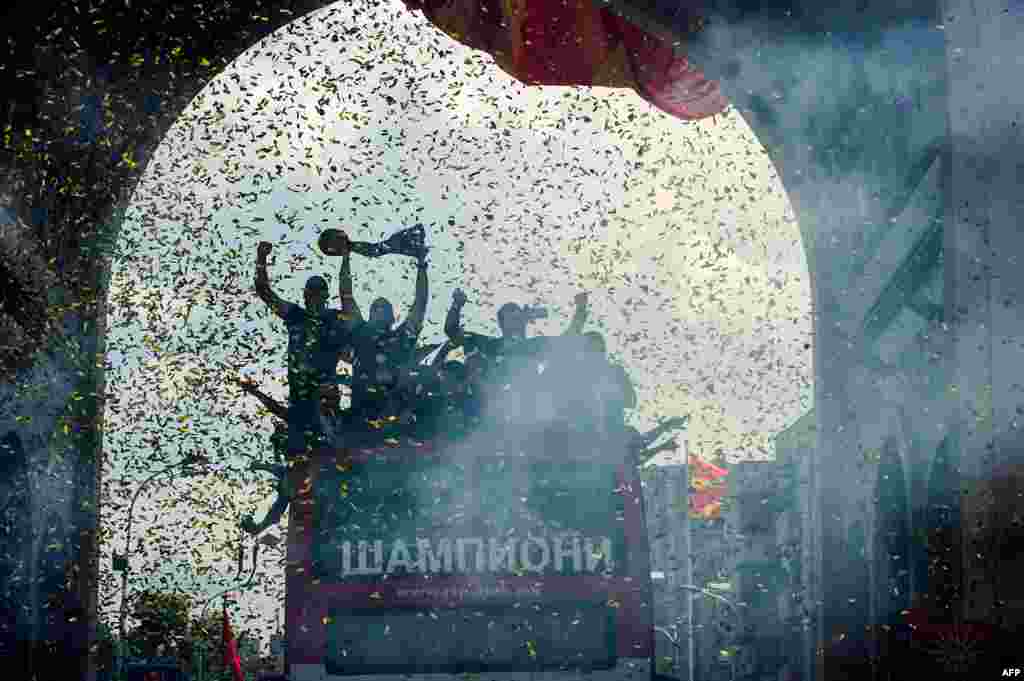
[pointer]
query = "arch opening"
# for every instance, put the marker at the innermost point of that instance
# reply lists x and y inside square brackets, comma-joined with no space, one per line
[591,231]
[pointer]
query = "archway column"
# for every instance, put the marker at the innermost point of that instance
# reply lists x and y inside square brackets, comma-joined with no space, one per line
[984,247]
[855,131]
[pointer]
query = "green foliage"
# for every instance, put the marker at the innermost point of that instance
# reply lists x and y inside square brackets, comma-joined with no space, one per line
[167,619]
[163,619]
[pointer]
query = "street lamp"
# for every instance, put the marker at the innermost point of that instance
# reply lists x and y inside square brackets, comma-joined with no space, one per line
[674,637]
[732,608]
[121,562]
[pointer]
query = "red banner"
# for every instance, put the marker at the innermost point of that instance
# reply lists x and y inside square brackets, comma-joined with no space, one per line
[231,658]
[552,42]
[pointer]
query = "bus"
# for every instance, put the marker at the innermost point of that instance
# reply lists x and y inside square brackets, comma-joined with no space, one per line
[487,554]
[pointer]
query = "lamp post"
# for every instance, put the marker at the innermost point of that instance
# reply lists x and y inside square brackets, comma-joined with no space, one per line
[674,637]
[121,562]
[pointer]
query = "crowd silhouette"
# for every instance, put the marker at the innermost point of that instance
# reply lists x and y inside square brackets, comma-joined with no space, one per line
[402,391]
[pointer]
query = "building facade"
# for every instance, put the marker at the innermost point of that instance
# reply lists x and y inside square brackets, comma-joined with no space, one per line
[668,528]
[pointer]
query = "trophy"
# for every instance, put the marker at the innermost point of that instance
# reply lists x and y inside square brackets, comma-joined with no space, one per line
[410,241]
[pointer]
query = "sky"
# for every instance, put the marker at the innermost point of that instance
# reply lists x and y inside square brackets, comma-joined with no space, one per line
[681,233]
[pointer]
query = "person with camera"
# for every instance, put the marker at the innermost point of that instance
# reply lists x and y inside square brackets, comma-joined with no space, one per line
[514,361]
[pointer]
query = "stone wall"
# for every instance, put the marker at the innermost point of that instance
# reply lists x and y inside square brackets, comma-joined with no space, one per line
[48,565]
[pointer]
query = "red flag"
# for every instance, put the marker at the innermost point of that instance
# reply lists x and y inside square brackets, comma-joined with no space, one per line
[707,481]
[552,42]
[231,658]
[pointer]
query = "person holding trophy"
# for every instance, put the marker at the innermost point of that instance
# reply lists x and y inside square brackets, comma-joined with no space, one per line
[318,338]
[383,353]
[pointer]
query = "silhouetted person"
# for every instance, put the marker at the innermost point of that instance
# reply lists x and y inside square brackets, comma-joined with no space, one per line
[317,338]
[611,391]
[279,445]
[474,400]
[511,358]
[421,388]
[281,501]
[512,321]
[640,443]
[330,427]
[329,410]
[383,352]
[269,403]
[451,416]
[422,378]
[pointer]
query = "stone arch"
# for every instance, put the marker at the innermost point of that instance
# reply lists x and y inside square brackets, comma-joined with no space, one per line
[760,55]
[805,245]
[769,60]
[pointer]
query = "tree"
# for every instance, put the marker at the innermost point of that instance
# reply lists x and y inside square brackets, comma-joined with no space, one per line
[163,624]
[167,627]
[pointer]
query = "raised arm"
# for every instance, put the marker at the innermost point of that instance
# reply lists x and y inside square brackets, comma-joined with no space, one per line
[277,470]
[442,356]
[453,322]
[271,405]
[648,453]
[423,351]
[414,320]
[665,426]
[579,318]
[349,307]
[276,304]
